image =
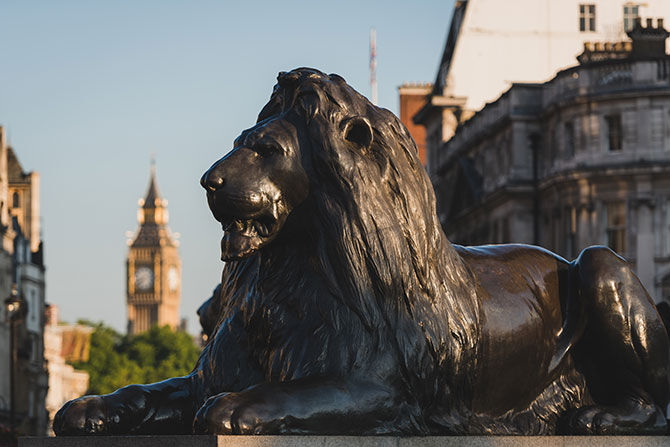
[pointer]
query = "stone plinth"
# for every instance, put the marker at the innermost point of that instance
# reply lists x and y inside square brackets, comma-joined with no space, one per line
[346,441]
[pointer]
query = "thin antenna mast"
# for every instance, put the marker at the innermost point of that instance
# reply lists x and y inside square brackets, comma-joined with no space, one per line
[373,65]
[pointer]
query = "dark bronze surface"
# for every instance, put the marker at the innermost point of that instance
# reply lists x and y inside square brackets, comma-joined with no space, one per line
[343,309]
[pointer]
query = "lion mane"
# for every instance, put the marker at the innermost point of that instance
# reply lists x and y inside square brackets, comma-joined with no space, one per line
[391,280]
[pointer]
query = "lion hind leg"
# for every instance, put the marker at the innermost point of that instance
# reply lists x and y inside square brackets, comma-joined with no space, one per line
[623,352]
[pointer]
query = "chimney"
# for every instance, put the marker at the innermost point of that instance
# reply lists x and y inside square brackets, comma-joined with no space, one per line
[648,42]
[51,314]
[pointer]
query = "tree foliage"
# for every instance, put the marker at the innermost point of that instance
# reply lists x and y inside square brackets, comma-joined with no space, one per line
[116,360]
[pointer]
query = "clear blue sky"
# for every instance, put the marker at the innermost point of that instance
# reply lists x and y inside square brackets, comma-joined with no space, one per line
[89,90]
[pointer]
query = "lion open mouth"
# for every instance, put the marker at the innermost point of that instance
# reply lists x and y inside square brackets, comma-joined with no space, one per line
[243,237]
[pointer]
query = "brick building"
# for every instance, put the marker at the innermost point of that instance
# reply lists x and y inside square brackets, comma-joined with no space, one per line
[412,97]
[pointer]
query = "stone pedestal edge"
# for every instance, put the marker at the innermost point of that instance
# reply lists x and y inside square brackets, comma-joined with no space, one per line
[346,441]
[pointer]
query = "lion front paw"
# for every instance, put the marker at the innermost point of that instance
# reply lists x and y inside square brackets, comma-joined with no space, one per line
[84,416]
[235,413]
[629,419]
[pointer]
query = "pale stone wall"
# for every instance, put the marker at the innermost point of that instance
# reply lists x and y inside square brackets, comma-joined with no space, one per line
[528,41]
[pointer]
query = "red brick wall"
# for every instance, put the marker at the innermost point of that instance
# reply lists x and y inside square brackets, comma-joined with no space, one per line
[412,98]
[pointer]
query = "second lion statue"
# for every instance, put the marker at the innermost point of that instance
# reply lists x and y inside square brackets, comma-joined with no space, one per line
[343,309]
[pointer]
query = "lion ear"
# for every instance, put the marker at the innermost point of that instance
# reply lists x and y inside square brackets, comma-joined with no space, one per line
[358,131]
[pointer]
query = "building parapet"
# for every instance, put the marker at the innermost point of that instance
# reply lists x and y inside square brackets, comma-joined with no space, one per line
[520,100]
[583,82]
[606,77]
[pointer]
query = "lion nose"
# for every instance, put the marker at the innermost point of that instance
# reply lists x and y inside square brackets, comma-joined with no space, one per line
[211,182]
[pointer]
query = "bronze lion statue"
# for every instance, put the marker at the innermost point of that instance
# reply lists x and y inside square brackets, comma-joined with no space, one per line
[343,309]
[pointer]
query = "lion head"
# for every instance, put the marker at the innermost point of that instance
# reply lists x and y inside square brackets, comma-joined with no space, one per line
[331,184]
[254,188]
[316,135]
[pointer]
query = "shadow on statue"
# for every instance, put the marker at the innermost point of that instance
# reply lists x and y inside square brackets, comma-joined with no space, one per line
[343,309]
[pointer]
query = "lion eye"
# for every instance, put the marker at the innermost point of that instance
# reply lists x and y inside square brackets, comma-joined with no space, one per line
[266,150]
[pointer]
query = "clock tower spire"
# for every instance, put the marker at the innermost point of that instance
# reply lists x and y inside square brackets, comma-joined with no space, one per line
[153,267]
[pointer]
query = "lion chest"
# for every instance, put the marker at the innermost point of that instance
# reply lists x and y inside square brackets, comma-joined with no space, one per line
[291,339]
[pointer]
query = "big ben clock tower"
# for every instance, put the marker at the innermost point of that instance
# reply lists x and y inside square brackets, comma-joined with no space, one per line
[154,268]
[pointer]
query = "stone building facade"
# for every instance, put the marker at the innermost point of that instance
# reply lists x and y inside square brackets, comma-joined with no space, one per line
[579,160]
[492,44]
[64,343]
[153,267]
[22,263]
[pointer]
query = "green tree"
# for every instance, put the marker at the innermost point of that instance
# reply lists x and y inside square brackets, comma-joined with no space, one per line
[116,361]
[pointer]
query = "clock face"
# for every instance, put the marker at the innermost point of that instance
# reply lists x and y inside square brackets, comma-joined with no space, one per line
[144,278]
[173,279]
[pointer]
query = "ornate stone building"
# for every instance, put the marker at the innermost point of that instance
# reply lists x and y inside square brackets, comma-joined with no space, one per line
[492,44]
[22,264]
[153,267]
[579,160]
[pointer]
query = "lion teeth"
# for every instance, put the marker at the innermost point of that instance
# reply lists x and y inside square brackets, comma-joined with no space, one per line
[261,229]
[235,225]
[246,227]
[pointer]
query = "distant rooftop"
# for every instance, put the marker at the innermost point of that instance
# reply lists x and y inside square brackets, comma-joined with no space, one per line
[647,42]
[422,85]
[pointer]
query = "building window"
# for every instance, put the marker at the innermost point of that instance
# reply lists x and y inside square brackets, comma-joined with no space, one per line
[630,13]
[554,147]
[16,202]
[33,301]
[614,136]
[31,403]
[505,231]
[665,288]
[569,148]
[570,221]
[587,17]
[616,226]
[35,352]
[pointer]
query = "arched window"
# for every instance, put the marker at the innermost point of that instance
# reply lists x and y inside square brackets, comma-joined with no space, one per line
[15,200]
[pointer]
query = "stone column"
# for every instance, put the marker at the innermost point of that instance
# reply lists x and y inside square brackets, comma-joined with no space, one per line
[583,237]
[645,242]
[585,206]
